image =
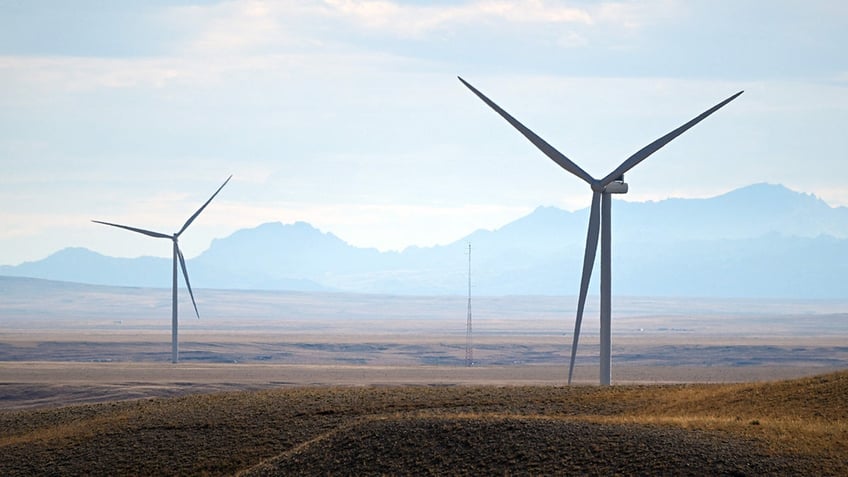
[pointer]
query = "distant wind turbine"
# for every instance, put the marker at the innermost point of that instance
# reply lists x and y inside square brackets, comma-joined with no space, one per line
[178,255]
[599,220]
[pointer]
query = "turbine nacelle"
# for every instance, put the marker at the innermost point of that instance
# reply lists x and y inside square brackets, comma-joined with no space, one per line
[616,187]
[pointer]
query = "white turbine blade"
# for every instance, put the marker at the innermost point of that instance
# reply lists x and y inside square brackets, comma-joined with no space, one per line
[659,143]
[191,219]
[540,143]
[134,229]
[188,285]
[588,264]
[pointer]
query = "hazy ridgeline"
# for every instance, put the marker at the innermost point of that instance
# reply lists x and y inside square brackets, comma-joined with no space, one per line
[761,240]
[44,320]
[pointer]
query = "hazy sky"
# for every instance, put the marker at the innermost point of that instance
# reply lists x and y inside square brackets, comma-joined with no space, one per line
[348,115]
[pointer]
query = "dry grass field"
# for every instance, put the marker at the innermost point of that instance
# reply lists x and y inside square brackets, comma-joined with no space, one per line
[789,427]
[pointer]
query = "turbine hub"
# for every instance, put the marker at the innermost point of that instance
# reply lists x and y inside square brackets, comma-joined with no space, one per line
[596,186]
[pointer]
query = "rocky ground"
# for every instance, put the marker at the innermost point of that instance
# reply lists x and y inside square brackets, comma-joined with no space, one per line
[795,427]
[528,447]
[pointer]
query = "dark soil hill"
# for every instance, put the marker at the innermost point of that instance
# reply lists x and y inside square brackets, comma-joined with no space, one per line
[796,427]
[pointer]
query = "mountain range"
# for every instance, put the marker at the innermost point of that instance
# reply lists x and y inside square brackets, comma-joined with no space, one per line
[758,241]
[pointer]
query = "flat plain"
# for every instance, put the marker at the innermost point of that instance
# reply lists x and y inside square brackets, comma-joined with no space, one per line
[63,343]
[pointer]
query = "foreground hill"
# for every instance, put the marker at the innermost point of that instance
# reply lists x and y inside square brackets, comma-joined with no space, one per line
[758,241]
[797,427]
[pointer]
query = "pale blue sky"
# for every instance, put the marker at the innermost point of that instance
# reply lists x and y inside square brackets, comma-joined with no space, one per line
[348,115]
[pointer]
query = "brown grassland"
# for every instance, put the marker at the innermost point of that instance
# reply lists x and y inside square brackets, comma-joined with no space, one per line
[794,427]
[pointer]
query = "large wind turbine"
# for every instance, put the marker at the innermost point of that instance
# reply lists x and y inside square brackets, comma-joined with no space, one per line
[178,255]
[599,219]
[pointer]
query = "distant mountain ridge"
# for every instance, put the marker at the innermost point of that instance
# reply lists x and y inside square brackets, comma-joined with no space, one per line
[758,241]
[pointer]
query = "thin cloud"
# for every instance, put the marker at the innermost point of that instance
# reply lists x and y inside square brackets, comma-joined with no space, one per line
[638,15]
[246,26]
[411,20]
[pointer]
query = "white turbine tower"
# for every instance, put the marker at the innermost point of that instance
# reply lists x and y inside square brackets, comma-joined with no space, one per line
[178,255]
[599,220]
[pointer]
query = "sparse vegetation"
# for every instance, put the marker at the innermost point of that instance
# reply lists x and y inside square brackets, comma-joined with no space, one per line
[629,430]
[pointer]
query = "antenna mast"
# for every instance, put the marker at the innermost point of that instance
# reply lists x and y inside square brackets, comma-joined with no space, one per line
[469,352]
